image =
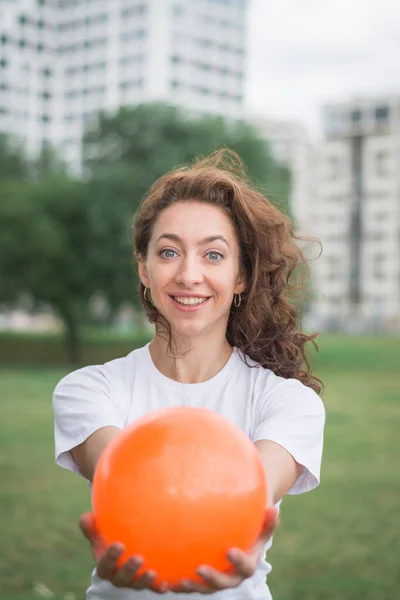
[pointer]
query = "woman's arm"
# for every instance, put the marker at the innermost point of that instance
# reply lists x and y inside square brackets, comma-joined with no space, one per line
[87,454]
[281,470]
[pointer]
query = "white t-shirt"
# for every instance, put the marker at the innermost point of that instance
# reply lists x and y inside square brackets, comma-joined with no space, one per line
[257,401]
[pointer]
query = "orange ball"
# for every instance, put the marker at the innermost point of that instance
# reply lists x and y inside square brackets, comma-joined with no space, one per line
[180,487]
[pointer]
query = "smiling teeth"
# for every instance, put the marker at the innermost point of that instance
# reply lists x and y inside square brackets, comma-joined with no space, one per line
[191,301]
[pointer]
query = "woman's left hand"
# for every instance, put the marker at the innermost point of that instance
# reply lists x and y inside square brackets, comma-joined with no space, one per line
[244,564]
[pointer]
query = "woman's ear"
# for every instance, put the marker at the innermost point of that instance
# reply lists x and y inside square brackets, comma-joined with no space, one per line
[143,274]
[240,283]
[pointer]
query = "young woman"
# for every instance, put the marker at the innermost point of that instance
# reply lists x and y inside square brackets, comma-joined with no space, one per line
[215,262]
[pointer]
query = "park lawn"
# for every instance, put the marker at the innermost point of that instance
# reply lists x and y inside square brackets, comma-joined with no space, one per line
[339,542]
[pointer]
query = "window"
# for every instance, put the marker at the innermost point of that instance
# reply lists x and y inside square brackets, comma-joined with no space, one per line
[3,39]
[45,118]
[201,90]
[334,167]
[333,121]
[376,236]
[131,11]
[22,19]
[3,63]
[22,43]
[382,114]
[133,83]
[128,60]
[382,159]
[204,43]
[177,10]
[355,116]
[203,67]
[126,36]
[378,262]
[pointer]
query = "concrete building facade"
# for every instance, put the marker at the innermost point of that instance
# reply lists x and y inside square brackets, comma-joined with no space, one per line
[61,61]
[291,145]
[357,278]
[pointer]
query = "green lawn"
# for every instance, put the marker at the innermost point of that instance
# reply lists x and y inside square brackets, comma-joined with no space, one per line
[340,542]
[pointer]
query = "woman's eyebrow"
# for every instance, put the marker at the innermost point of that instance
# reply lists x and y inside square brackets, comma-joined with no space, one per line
[211,238]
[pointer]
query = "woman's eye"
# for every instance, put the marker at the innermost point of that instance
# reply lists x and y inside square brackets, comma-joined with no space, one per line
[214,256]
[167,253]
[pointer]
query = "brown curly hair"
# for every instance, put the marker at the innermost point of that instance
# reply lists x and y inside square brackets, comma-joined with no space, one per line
[265,325]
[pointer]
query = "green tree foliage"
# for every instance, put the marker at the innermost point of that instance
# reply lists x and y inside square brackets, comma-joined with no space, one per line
[45,249]
[12,160]
[151,139]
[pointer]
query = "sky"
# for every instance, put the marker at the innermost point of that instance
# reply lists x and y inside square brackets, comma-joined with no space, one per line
[303,54]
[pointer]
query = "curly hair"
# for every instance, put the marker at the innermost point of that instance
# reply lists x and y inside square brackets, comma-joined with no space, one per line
[264,327]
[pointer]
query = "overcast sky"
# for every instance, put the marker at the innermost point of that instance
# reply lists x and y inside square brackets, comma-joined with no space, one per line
[304,53]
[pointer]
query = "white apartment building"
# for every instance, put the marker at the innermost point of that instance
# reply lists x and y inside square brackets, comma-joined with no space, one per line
[291,145]
[61,61]
[357,218]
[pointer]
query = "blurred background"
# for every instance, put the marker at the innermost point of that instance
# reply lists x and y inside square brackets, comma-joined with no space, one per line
[97,100]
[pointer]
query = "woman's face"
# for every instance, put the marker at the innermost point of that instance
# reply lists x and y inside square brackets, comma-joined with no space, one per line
[192,268]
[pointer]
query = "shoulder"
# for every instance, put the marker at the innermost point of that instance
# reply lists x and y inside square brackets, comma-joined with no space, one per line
[113,375]
[272,392]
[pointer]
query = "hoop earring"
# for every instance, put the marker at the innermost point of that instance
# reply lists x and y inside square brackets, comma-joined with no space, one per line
[145,294]
[237,300]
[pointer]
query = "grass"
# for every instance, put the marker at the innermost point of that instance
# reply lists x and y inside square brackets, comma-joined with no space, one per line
[340,542]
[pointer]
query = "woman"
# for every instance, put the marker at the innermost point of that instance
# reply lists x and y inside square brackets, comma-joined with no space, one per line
[215,262]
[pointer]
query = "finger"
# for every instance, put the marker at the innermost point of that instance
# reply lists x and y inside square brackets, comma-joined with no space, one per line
[270,522]
[124,576]
[145,581]
[107,563]
[187,586]
[218,580]
[244,564]
[161,588]
[88,526]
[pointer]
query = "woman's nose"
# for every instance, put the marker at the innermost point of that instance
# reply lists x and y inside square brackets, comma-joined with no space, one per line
[189,272]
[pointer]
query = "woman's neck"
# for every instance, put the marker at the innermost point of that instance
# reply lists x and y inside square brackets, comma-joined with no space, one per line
[198,360]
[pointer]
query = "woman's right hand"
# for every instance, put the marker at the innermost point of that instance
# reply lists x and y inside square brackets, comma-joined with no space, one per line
[107,559]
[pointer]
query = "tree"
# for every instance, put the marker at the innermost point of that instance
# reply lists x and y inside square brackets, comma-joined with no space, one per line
[46,250]
[151,139]
[13,164]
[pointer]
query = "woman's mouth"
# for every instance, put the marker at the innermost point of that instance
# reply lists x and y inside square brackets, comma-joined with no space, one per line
[189,302]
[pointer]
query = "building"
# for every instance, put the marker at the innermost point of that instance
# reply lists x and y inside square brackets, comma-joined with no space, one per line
[290,145]
[357,278]
[61,61]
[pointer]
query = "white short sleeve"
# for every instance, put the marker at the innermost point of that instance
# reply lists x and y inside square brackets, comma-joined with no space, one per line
[293,416]
[83,402]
